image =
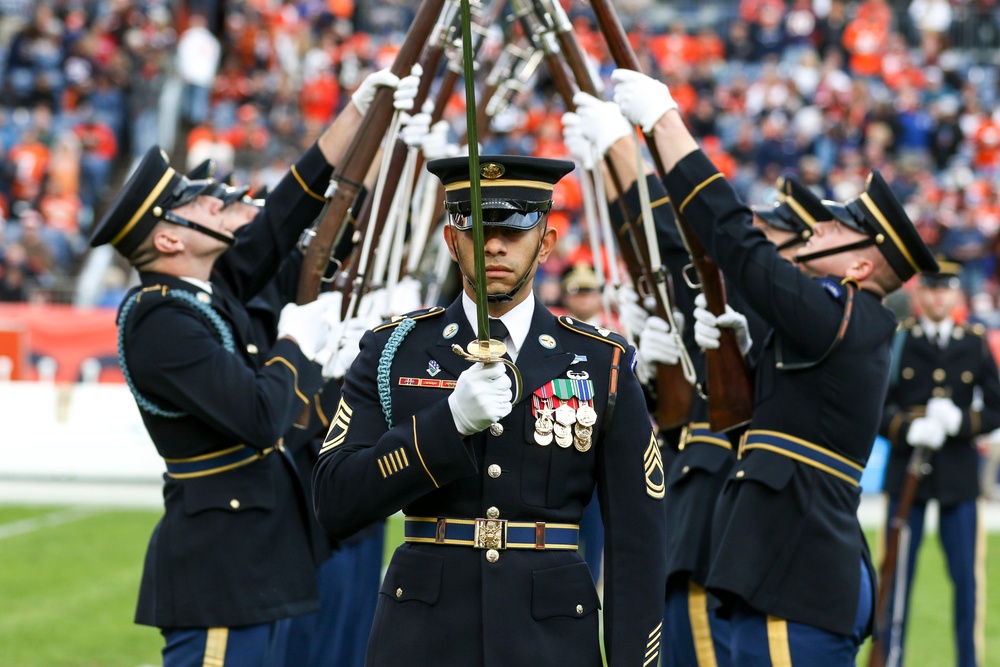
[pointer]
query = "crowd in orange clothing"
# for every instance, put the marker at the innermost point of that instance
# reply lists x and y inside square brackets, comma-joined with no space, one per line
[826,89]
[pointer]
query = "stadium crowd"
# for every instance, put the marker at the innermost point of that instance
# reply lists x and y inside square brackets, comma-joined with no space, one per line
[826,89]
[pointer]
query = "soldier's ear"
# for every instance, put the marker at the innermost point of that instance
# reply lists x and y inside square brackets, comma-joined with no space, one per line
[167,241]
[449,239]
[548,243]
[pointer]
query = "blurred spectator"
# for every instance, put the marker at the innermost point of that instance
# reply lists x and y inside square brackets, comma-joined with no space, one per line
[98,149]
[198,52]
[30,160]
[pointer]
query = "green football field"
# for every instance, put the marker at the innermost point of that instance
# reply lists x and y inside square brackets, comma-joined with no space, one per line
[69,578]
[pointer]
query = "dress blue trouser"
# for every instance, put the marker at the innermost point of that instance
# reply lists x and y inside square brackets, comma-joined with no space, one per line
[337,635]
[693,634]
[246,646]
[759,640]
[961,538]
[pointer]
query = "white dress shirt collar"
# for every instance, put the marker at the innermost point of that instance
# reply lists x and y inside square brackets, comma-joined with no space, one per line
[517,320]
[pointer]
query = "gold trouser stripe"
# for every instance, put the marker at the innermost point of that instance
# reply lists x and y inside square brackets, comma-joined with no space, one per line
[215,647]
[701,629]
[979,572]
[420,456]
[302,183]
[687,200]
[777,642]
[295,373]
[880,533]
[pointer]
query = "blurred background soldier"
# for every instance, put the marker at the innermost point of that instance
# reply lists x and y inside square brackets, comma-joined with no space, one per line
[945,392]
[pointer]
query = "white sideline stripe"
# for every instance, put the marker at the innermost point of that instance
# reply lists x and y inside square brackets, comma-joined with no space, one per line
[39,522]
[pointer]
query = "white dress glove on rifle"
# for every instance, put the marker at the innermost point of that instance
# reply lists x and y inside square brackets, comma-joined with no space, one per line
[482,396]
[579,146]
[602,123]
[945,411]
[658,344]
[405,89]
[436,144]
[415,129]
[926,432]
[632,315]
[642,100]
[308,324]
[707,327]
[405,298]
[344,350]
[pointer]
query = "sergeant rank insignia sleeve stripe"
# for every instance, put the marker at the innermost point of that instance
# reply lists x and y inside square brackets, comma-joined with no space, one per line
[653,645]
[653,463]
[338,427]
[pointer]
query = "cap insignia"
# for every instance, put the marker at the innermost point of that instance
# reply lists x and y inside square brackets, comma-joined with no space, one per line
[491,170]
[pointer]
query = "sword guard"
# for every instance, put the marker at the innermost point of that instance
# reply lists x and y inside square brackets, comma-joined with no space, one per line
[491,352]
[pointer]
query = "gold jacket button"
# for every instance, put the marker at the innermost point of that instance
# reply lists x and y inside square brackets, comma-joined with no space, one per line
[686,469]
[399,592]
[251,348]
[579,610]
[741,473]
[234,503]
[492,555]
[494,471]
[496,429]
[492,513]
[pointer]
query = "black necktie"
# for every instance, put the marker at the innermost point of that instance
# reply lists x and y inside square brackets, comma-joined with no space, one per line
[498,330]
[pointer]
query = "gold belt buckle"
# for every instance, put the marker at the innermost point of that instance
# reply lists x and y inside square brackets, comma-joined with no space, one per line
[491,534]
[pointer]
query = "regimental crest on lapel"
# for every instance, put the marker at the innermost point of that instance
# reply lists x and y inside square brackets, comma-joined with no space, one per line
[338,426]
[653,463]
[433,368]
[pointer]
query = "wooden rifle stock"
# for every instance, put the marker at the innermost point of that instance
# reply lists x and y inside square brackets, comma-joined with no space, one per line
[729,384]
[674,393]
[916,469]
[347,179]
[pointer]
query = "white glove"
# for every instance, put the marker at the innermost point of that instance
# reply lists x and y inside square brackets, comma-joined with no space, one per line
[482,396]
[365,93]
[579,146]
[707,327]
[308,323]
[344,350]
[406,91]
[642,100]
[926,432]
[373,307]
[632,315]
[406,297]
[658,344]
[415,129]
[601,122]
[436,144]
[945,411]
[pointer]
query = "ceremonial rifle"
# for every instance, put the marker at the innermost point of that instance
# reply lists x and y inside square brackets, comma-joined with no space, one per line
[381,203]
[673,387]
[917,468]
[729,385]
[346,181]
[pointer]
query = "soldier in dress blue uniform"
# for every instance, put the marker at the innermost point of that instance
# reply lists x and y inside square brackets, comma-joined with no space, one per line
[230,561]
[493,491]
[788,560]
[946,393]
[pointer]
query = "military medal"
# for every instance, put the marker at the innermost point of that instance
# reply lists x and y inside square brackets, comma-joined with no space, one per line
[582,437]
[565,414]
[543,428]
[586,415]
[563,434]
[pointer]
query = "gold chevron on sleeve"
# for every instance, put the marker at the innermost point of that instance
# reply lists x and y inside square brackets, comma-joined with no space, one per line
[338,426]
[653,463]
